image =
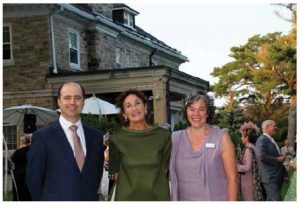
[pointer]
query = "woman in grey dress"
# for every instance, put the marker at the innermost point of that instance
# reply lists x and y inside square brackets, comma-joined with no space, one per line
[203,163]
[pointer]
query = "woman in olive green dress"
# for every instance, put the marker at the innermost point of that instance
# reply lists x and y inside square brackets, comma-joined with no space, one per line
[139,153]
[291,194]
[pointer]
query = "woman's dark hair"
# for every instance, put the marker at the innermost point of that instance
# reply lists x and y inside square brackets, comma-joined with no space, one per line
[208,103]
[251,133]
[121,98]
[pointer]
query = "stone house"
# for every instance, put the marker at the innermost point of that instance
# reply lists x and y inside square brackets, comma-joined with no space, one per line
[97,45]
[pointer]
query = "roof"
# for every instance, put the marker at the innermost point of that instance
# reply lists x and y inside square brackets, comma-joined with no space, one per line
[124,6]
[137,34]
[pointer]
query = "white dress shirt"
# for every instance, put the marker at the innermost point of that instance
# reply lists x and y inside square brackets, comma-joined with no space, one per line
[66,127]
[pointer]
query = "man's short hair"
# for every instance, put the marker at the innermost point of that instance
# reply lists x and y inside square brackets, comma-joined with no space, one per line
[266,123]
[61,86]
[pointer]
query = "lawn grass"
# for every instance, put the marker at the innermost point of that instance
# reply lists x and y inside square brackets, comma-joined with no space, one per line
[8,196]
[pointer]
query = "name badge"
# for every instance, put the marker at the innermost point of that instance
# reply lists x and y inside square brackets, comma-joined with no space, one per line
[210,145]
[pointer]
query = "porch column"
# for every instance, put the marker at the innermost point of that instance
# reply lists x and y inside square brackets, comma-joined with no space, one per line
[160,103]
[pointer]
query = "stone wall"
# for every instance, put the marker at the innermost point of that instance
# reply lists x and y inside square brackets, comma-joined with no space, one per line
[31,53]
[104,9]
[38,101]
[61,30]
[106,51]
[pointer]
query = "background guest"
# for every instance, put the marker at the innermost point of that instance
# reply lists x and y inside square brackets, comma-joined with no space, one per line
[250,182]
[291,194]
[271,168]
[20,190]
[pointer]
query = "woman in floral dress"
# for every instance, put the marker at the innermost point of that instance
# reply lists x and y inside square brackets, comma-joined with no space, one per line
[250,184]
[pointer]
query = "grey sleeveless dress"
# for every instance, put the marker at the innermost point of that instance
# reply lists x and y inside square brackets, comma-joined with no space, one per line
[197,175]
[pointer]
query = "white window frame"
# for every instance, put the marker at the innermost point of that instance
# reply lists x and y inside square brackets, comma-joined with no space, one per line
[7,62]
[129,18]
[11,137]
[74,65]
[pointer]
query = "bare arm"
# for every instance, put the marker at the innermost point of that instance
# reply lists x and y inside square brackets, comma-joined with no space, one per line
[229,162]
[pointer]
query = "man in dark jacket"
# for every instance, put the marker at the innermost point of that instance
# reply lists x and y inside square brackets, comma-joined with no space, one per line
[65,160]
[270,163]
[20,190]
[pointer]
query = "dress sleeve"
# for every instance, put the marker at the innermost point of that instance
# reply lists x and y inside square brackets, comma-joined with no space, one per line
[114,158]
[166,151]
[247,162]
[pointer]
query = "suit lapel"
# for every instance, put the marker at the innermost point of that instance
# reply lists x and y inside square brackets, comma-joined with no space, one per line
[273,146]
[88,143]
[65,145]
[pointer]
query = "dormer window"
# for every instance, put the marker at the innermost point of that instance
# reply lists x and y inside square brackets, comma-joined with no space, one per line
[124,15]
[128,19]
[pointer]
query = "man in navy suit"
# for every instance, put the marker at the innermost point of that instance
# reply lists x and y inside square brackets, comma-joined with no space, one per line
[53,172]
[270,163]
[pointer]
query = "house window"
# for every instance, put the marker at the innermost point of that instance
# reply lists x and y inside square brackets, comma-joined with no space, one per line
[128,19]
[7,44]
[10,135]
[74,49]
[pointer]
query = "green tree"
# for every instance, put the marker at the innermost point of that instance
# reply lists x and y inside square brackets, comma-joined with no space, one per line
[262,71]
[291,82]
[247,79]
[232,119]
[180,125]
[104,124]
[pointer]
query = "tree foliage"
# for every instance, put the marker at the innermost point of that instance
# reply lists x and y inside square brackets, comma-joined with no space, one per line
[232,120]
[104,124]
[262,72]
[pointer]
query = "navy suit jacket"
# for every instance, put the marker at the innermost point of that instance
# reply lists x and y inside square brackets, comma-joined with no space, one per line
[52,172]
[271,170]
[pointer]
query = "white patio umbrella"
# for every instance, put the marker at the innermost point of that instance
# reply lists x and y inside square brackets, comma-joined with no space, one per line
[97,106]
[15,115]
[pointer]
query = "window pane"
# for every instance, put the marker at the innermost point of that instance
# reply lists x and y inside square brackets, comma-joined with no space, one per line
[10,134]
[6,52]
[73,56]
[6,35]
[73,40]
[131,20]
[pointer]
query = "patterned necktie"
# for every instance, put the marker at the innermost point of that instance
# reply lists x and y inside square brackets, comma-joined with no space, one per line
[78,150]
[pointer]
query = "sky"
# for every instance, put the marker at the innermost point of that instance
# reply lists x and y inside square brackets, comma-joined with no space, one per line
[205,32]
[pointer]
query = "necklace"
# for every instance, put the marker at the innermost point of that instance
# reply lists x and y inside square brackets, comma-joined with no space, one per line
[197,140]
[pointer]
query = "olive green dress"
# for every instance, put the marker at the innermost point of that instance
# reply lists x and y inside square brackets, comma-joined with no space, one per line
[141,158]
[291,194]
